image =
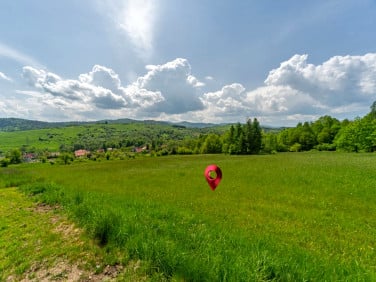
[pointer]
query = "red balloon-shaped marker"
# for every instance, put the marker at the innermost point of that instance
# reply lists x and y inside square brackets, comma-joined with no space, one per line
[213,182]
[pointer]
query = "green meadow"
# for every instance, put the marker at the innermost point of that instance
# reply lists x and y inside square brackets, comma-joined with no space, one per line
[284,217]
[94,136]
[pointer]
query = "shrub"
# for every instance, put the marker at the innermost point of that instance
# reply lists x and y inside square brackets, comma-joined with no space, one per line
[296,147]
[4,162]
[326,147]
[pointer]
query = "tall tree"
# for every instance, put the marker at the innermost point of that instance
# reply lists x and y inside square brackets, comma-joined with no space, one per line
[257,137]
[212,145]
[372,114]
[248,136]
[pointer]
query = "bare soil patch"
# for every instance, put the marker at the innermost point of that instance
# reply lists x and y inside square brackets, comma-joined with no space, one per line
[65,271]
[61,269]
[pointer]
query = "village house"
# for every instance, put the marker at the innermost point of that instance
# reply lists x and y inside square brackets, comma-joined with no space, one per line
[81,153]
[139,149]
[29,157]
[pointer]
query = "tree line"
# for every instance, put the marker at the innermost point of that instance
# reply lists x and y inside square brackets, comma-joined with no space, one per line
[325,134]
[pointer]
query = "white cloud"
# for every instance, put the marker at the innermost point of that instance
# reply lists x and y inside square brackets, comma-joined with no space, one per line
[339,81]
[295,91]
[234,103]
[101,87]
[4,77]
[299,90]
[174,81]
[169,88]
[13,54]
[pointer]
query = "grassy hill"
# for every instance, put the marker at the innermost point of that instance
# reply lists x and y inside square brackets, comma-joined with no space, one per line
[120,133]
[17,124]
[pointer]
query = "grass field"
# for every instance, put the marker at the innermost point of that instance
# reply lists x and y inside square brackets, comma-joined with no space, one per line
[284,217]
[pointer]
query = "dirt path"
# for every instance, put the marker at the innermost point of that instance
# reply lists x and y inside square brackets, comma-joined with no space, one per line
[38,243]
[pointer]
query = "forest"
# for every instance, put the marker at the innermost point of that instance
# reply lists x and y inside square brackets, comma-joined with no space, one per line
[324,134]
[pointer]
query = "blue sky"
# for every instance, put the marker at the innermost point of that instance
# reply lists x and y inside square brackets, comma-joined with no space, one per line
[201,61]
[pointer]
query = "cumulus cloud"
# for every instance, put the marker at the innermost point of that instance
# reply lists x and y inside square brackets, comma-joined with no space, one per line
[100,87]
[338,81]
[174,81]
[229,101]
[168,88]
[234,103]
[295,91]
[298,89]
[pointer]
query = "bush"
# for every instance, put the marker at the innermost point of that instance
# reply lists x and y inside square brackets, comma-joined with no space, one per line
[326,147]
[15,156]
[296,147]
[4,162]
[184,151]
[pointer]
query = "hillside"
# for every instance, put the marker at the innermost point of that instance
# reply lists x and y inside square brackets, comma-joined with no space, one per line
[35,135]
[17,124]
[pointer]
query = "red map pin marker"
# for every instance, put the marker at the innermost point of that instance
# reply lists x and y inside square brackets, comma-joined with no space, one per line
[213,181]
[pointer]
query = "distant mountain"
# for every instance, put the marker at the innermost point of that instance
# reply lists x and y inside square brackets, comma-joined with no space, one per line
[196,124]
[17,124]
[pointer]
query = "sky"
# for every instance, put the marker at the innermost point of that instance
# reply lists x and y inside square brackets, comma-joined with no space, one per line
[215,61]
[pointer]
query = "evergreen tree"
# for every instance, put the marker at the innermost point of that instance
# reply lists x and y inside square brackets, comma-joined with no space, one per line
[257,137]
[231,135]
[239,140]
[241,146]
[244,139]
[249,136]
[372,114]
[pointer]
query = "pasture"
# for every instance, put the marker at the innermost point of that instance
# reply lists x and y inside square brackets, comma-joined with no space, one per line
[284,217]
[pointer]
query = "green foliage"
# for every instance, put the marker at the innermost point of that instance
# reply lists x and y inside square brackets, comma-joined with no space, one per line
[66,158]
[14,156]
[4,162]
[372,114]
[243,139]
[297,147]
[270,143]
[211,145]
[359,135]
[326,134]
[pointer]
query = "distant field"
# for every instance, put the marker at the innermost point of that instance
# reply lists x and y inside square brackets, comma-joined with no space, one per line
[49,139]
[93,136]
[284,217]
